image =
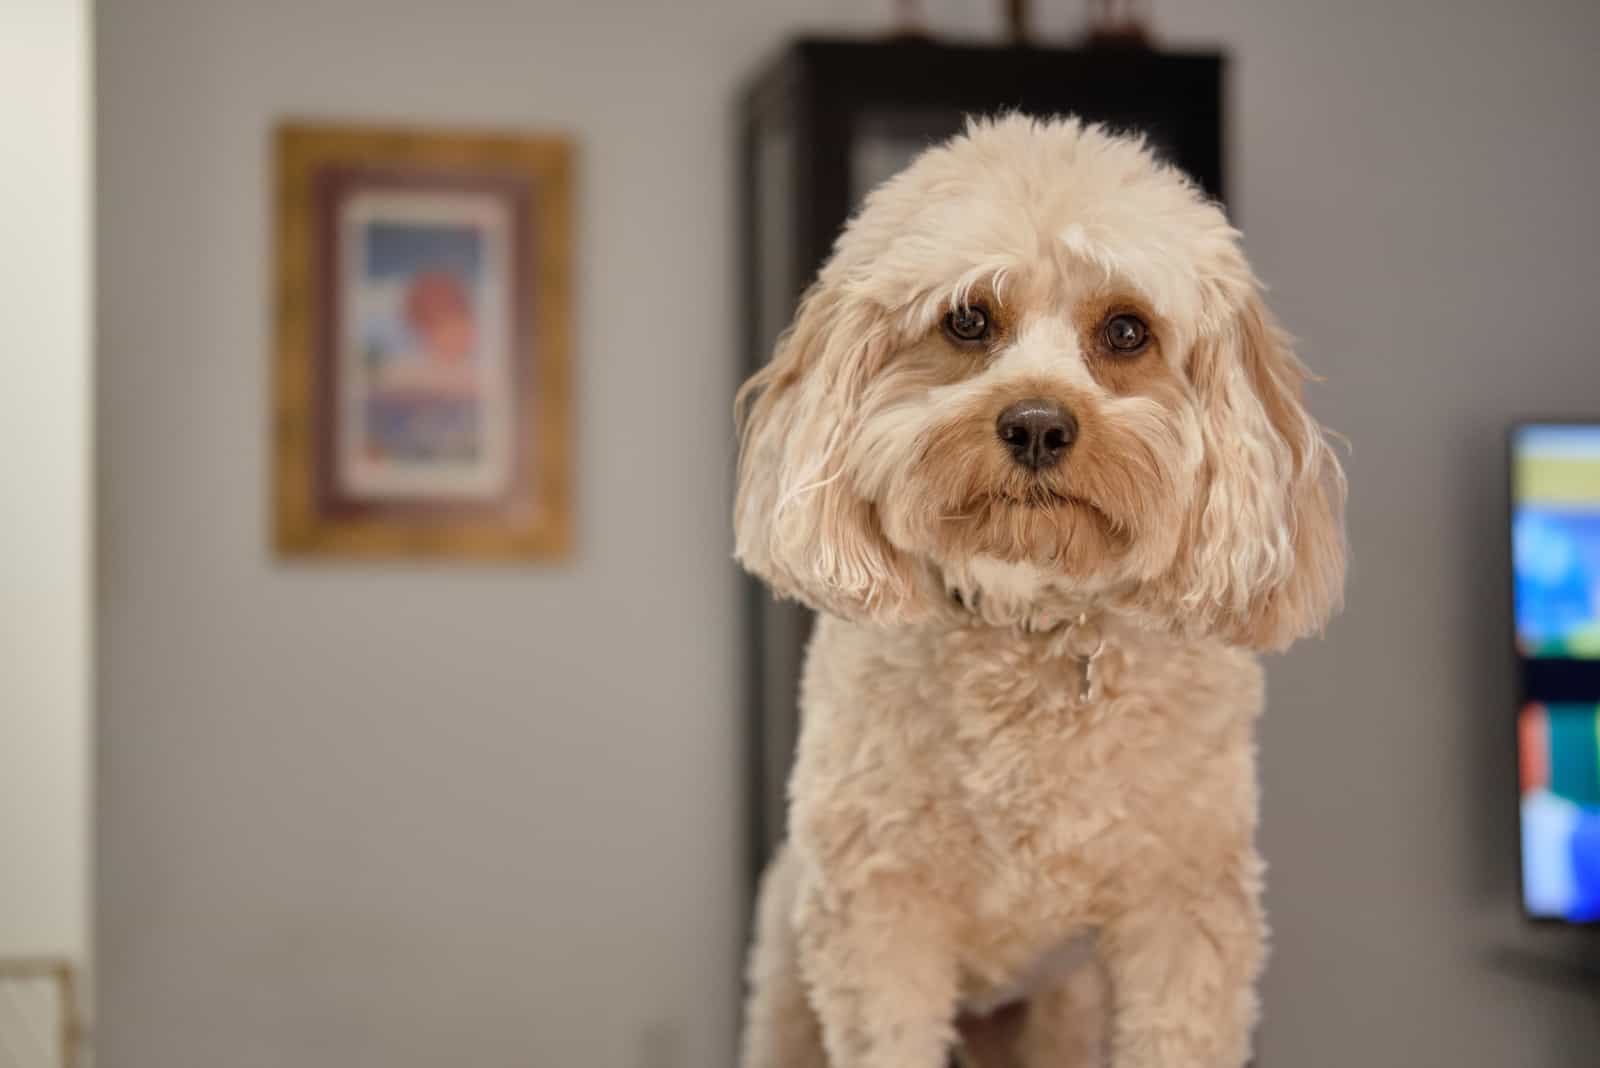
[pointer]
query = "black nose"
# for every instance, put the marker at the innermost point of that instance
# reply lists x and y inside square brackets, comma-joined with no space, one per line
[1037,431]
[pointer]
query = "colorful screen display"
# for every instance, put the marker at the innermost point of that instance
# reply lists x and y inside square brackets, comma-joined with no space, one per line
[1555,541]
[1560,751]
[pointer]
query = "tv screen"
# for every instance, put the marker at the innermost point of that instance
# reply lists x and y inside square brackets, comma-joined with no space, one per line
[1555,551]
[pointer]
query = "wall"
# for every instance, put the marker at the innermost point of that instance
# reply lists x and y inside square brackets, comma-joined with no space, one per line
[418,815]
[44,478]
[1413,182]
[415,815]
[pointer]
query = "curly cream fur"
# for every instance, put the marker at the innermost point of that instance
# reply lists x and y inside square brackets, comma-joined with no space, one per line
[964,833]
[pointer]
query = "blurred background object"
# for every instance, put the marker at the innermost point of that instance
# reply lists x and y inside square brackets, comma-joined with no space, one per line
[421,375]
[496,815]
[39,1022]
[1555,570]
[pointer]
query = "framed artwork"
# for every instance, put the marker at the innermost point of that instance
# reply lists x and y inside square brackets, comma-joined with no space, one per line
[422,386]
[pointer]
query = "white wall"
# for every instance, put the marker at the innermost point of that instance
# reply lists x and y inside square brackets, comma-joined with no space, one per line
[44,477]
[419,815]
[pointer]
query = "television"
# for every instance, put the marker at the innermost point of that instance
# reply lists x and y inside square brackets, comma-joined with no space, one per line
[1555,570]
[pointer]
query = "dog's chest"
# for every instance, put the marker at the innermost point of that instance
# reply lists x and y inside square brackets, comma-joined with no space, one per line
[970,755]
[964,767]
[1037,771]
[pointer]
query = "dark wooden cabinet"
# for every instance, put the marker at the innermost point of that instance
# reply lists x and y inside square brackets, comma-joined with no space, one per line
[822,124]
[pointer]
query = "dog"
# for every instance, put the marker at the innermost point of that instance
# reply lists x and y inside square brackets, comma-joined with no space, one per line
[1037,452]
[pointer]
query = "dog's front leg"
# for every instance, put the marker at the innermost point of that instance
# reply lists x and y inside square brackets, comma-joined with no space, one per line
[881,973]
[1183,974]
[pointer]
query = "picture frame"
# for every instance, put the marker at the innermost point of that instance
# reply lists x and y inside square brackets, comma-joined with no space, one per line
[422,374]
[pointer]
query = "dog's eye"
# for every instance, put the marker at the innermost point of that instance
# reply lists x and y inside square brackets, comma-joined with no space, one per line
[1126,333]
[967,324]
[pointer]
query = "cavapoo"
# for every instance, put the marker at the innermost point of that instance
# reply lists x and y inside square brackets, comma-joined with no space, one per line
[1037,452]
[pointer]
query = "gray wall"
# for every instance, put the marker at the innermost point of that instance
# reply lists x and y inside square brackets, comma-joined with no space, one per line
[488,816]
[1415,182]
[415,815]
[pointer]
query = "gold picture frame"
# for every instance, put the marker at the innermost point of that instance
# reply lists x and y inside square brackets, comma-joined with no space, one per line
[422,385]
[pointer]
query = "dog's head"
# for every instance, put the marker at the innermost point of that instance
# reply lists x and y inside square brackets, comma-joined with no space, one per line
[1038,353]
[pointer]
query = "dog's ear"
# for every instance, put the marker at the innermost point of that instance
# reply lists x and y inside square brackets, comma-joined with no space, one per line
[1266,542]
[799,522]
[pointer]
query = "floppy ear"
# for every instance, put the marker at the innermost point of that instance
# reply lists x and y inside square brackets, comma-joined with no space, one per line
[1266,540]
[799,523]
